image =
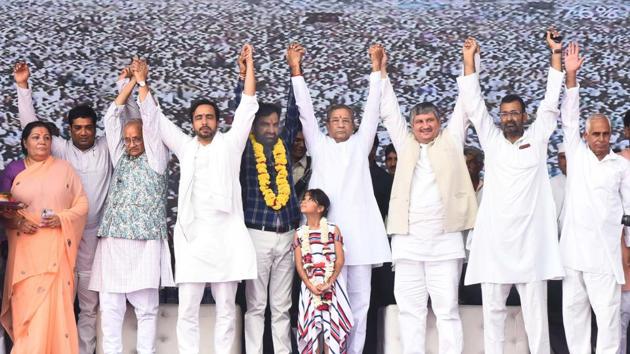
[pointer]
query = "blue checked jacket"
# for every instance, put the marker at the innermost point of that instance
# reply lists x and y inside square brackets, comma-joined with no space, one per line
[257,214]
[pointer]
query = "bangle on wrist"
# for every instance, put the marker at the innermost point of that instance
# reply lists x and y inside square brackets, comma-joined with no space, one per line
[556,51]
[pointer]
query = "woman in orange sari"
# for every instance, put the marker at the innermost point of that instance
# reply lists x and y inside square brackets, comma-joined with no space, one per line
[37,307]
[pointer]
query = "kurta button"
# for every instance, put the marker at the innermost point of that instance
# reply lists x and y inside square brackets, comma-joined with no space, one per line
[69,242]
[68,186]
[67,335]
[17,184]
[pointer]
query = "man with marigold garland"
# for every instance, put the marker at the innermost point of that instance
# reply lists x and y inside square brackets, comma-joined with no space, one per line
[271,214]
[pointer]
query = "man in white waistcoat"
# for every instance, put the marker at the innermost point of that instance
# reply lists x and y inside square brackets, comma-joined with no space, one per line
[212,244]
[432,202]
[341,168]
[598,195]
[515,240]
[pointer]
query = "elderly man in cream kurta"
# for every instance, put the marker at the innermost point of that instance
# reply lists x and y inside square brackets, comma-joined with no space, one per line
[341,169]
[515,241]
[432,201]
[598,186]
[212,244]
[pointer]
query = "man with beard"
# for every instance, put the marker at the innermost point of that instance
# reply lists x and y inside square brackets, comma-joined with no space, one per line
[598,195]
[271,215]
[341,169]
[212,244]
[515,237]
[90,158]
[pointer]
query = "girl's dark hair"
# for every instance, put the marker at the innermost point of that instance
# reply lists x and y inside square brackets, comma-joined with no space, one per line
[29,128]
[320,198]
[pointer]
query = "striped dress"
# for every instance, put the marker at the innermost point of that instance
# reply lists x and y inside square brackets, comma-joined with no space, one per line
[333,320]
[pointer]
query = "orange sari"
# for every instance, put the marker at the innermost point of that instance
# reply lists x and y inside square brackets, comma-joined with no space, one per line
[37,307]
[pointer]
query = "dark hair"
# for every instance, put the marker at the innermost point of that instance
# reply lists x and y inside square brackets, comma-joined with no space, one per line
[29,128]
[477,153]
[320,198]
[82,111]
[390,148]
[626,120]
[336,106]
[201,102]
[425,108]
[265,110]
[514,98]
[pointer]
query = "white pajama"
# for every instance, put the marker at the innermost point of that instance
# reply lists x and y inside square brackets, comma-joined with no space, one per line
[415,281]
[580,292]
[275,265]
[190,295]
[359,286]
[113,307]
[625,319]
[534,308]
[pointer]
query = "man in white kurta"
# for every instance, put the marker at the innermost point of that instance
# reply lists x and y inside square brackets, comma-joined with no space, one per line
[341,169]
[428,249]
[90,158]
[515,238]
[212,244]
[598,195]
[132,257]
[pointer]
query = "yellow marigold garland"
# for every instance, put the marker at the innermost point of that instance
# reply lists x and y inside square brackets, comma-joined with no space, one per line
[275,202]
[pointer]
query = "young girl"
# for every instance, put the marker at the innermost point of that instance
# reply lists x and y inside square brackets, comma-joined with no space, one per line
[324,319]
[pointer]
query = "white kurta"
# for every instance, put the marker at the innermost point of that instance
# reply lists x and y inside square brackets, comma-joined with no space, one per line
[94,168]
[598,195]
[558,186]
[123,265]
[426,240]
[211,241]
[342,171]
[516,238]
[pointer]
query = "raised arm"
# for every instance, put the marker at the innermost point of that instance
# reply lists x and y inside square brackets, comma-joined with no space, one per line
[471,99]
[371,113]
[113,118]
[26,110]
[247,108]
[458,122]
[292,124]
[313,136]
[390,111]
[547,114]
[570,109]
[157,153]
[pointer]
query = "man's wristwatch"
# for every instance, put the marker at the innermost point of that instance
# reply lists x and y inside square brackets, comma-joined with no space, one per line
[142,83]
[557,51]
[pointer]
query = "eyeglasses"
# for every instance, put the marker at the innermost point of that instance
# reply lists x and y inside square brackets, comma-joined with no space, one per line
[134,141]
[511,114]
